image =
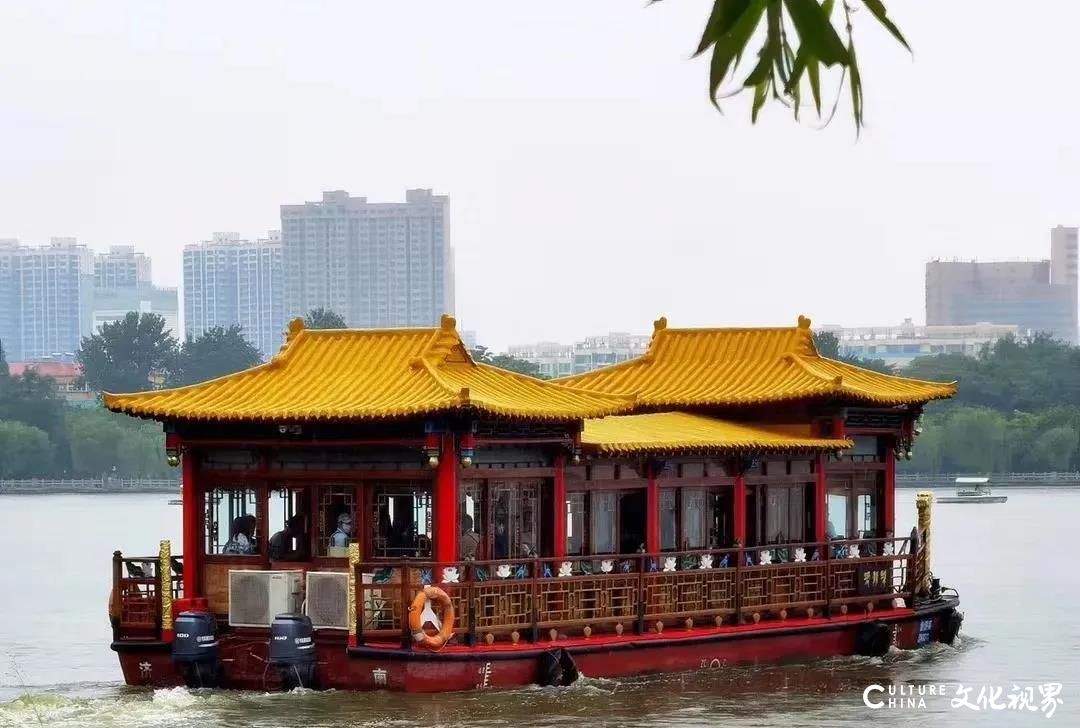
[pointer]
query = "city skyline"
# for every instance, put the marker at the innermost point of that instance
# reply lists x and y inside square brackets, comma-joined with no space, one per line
[580,166]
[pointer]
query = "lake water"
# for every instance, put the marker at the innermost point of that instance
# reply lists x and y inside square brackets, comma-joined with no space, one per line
[1013,565]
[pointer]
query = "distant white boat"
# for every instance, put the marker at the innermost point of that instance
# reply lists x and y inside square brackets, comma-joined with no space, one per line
[176,502]
[973,490]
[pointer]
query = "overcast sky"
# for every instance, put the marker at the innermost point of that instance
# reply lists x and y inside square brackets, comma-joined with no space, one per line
[593,187]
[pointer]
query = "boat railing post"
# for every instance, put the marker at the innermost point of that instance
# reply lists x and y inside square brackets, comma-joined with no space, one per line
[740,559]
[115,606]
[535,599]
[826,558]
[639,627]
[165,602]
[354,618]
[406,637]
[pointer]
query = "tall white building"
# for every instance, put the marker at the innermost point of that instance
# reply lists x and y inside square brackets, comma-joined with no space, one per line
[229,281]
[46,298]
[900,345]
[122,283]
[561,360]
[376,264]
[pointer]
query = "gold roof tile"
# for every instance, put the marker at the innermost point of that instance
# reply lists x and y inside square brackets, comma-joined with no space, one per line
[353,374]
[738,367]
[682,433]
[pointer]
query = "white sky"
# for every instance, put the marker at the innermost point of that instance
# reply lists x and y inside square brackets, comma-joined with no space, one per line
[593,187]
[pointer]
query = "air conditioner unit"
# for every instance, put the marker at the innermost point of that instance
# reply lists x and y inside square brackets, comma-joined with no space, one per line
[328,599]
[256,597]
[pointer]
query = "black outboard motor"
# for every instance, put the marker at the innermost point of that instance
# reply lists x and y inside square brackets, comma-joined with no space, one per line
[292,650]
[195,649]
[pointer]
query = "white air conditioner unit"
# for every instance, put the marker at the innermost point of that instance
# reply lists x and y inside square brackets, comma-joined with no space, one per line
[256,597]
[328,599]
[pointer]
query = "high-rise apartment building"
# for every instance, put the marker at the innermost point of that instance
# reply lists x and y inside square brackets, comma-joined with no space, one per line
[1037,296]
[122,283]
[562,360]
[121,267]
[376,264]
[229,281]
[46,295]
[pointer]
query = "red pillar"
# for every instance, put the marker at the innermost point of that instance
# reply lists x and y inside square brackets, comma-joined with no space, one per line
[558,499]
[888,508]
[652,512]
[446,501]
[821,498]
[739,503]
[191,500]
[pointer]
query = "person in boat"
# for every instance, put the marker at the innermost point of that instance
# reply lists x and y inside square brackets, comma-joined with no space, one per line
[341,537]
[470,539]
[290,543]
[241,537]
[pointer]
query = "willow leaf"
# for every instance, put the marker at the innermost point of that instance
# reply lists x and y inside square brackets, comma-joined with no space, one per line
[731,46]
[816,31]
[877,9]
[761,93]
[723,16]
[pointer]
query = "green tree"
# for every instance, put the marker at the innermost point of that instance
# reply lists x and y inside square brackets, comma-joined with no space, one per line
[128,355]
[794,40]
[976,440]
[324,318]
[1056,448]
[23,449]
[32,400]
[104,443]
[219,351]
[4,372]
[507,362]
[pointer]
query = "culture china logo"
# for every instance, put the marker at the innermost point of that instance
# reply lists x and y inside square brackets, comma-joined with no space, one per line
[1030,698]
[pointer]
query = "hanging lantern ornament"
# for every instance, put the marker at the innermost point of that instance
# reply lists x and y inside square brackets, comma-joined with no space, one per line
[172,456]
[431,449]
[468,449]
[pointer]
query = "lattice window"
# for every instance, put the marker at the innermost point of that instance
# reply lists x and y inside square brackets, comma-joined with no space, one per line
[575,523]
[514,508]
[232,525]
[470,520]
[337,511]
[604,523]
[401,520]
[669,520]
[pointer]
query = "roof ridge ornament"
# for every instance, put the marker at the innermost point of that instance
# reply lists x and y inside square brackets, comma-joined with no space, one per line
[295,327]
[659,324]
[804,322]
[448,323]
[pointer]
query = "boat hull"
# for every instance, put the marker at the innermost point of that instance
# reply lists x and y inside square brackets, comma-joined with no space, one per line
[456,668]
[973,499]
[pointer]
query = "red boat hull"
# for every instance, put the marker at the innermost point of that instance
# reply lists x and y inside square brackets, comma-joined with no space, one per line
[505,665]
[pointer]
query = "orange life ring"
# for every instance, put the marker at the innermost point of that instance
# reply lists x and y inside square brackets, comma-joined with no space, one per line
[417,610]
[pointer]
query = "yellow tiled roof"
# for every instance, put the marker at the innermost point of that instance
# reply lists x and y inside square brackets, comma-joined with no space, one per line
[734,367]
[350,374]
[681,433]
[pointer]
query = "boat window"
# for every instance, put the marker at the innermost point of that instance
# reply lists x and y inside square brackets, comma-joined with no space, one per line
[695,518]
[785,514]
[232,525]
[337,516]
[603,526]
[837,525]
[470,521]
[515,510]
[668,520]
[575,524]
[401,521]
[289,524]
[866,515]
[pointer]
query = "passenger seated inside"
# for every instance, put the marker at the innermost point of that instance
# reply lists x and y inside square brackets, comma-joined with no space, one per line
[341,537]
[241,537]
[470,539]
[290,543]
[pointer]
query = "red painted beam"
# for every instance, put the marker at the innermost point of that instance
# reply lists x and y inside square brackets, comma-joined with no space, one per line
[739,509]
[821,498]
[191,506]
[446,501]
[652,512]
[559,505]
[888,508]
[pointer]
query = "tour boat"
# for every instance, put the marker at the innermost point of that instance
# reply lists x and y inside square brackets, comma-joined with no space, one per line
[980,493]
[373,509]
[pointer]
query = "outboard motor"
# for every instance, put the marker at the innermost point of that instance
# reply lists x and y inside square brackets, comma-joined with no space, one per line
[292,650]
[195,649]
